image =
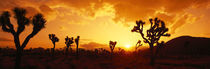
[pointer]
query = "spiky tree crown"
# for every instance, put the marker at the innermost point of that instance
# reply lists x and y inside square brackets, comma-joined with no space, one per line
[77,39]
[69,41]
[153,34]
[138,44]
[53,38]
[22,21]
[112,44]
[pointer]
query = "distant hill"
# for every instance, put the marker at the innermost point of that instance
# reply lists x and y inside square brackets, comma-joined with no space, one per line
[187,45]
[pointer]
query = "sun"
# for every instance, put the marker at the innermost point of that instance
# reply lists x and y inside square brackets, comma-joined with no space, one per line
[127,46]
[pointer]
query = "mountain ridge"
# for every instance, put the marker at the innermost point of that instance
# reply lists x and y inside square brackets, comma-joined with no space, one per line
[187,45]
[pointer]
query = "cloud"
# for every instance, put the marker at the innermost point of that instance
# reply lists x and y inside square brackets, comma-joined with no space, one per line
[31,11]
[168,11]
[45,9]
[85,40]
[8,4]
[180,20]
[92,45]
[5,39]
[125,10]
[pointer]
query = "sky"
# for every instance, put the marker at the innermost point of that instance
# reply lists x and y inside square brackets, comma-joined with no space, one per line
[99,21]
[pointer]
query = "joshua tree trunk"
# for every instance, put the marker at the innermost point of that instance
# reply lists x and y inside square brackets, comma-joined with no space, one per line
[70,50]
[111,54]
[18,52]
[53,50]
[67,50]
[77,52]
[152,58]
[18,58]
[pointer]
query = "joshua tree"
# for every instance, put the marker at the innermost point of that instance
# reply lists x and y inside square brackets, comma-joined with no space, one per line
[138,44]
[37,21]
[112,46]
[159,46]
[156,30]
[54,39]
[68,43]
[77,43]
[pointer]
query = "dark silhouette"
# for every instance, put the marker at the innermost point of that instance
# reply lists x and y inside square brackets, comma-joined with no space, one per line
[187,46]
[156,30]
[68,42]
[121,52]
[77,43]
[54,39]
[173,56]
[138,44]
[112,46]
[37,21]
[159,46]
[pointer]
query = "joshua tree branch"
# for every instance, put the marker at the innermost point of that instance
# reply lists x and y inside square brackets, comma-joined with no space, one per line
[4,28]
[28,38]
[142,35]
[8,28]
[20,29]
[26,41]
[17,41]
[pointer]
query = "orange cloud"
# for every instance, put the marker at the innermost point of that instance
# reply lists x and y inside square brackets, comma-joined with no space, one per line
[93,45]
[5,39]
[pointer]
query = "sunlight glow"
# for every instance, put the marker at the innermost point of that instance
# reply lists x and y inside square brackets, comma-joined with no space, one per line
[127,46]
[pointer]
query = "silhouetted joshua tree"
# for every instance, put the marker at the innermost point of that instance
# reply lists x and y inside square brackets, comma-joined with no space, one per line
[153,34]
[138,44]
[54,39]
[77,43]
[68,42]
[112,46]
[159,46]
[38,23]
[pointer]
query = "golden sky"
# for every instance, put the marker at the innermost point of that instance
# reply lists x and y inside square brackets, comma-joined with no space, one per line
[99,21]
